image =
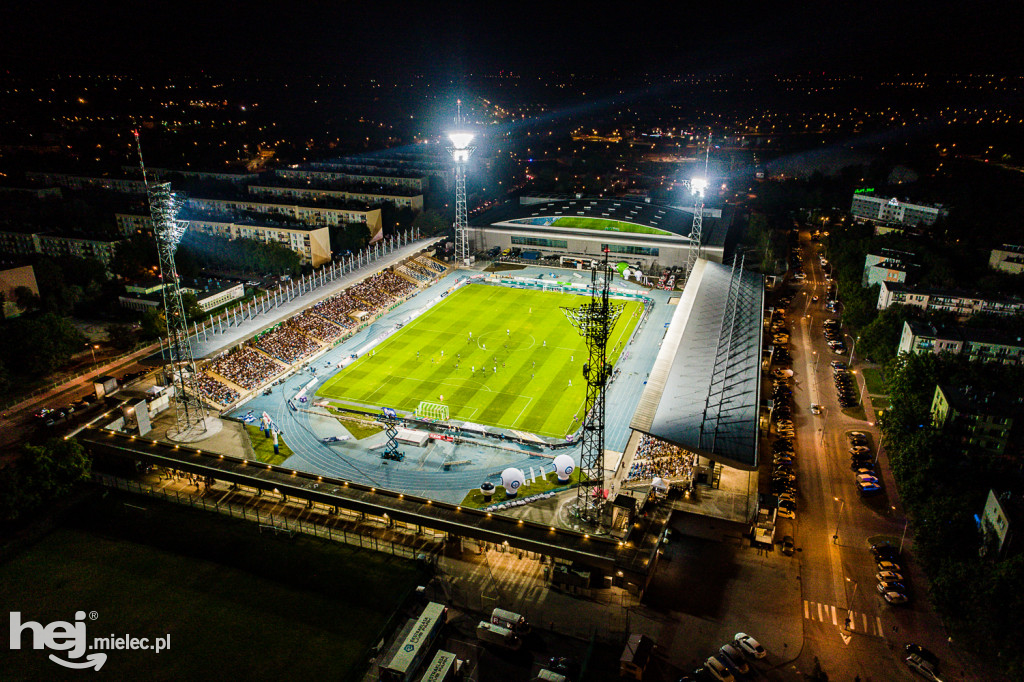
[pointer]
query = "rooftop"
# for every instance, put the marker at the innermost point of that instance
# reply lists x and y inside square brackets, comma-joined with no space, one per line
[589,215]
[703,393]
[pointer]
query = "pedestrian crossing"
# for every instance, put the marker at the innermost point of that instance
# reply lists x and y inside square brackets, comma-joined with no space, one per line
[853,621]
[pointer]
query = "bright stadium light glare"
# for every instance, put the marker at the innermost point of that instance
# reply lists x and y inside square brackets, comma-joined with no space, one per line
[699,185]
[460,140]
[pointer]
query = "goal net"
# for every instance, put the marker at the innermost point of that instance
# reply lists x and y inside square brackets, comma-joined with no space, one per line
[436,411]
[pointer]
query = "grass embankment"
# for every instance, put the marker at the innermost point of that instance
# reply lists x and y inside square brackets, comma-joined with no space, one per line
[264,447]
[359,428]
[475,499]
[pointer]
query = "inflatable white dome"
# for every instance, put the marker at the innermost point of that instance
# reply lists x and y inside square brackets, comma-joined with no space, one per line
[564,466]
[512,479]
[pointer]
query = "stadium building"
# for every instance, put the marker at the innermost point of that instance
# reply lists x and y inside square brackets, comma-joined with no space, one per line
[700,350]
[577,230]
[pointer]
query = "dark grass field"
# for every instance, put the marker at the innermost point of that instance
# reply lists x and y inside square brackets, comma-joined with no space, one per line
[236,604]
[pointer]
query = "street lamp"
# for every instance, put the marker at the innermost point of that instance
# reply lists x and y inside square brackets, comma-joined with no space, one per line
[906,522]
[853,346]
[854,597]
[92,349]
[842,505]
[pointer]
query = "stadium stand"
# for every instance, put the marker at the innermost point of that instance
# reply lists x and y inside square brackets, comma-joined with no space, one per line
[246,368]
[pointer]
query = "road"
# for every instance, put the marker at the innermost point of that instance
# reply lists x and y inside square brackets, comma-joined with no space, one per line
[835,525]
[18,424]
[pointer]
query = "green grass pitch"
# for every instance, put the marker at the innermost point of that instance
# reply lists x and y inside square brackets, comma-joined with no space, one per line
[515,380]
[585,223]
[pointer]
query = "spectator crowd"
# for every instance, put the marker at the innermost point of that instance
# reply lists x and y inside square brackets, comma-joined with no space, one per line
[655,457]
[213,390]
[246,368]
[286,343]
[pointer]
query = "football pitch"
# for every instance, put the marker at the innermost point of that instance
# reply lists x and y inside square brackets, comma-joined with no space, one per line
[494,355]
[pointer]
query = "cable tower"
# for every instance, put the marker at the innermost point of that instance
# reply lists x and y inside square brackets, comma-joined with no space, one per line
[461,149]
[698,185]
[594,321]
[164,206]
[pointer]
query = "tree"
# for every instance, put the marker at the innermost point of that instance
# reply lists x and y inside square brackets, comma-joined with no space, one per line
[153,324]
[191,305]
[26,298]
[430,222]
[120,336]
[40,475]
[879,339]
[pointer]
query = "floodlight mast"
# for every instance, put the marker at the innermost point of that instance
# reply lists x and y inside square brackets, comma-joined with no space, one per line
[164,206]
[461,149]
[698,185]
[594,321]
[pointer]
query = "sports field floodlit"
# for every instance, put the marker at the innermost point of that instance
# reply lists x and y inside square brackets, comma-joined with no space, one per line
[491,355]
[586,223]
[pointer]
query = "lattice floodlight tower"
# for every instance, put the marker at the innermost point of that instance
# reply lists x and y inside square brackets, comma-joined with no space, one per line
[698,185]
[594,321]
[164,206]
[461,149]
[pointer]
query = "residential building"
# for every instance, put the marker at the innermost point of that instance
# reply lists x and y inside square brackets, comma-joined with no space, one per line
[962,303]
[1007,258]
[980,420]
[129,223]
[10,280]
[889,265]
[328,213]
[125,185]
[311,242]
[1000,524]
[985,345]
[397,197]
[324,172]
[56,245]
[892,211]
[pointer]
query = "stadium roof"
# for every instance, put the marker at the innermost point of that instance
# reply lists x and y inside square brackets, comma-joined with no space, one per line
[703,393]
[617,216]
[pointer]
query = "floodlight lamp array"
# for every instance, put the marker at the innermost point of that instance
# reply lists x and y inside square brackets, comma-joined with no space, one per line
[699,185]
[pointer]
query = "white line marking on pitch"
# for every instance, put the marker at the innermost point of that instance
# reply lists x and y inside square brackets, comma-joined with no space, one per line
[528,401]
[834,621]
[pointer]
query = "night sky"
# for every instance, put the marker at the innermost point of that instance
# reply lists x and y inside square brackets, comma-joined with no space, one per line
[388,39]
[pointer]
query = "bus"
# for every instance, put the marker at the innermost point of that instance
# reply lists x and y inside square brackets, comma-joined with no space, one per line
[416,645]
[442,669]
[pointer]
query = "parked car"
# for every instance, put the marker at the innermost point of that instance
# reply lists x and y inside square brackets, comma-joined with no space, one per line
[788,546]
[922,667]
[718,669]
[886,565]
[866,488]
[888,576]
[918,650]
[749,645]
[734,659]
[884,551]
[895,598]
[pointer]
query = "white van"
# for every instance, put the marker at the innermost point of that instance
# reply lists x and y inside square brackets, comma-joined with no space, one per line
[495,634]
[510,620]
